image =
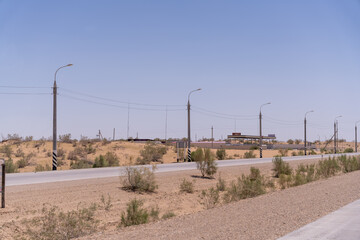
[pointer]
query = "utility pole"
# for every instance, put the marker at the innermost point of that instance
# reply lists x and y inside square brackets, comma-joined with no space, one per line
[166,112]
[189,136]
[260,138]
[114,134]
[356,136]
[305,147]
[212,137]
[128,121]
[336,133]
[54,155]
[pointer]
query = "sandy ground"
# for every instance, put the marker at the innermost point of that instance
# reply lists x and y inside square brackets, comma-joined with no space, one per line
[26,202]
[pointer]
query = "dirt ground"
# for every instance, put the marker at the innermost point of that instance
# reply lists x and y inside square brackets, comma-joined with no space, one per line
[26,202]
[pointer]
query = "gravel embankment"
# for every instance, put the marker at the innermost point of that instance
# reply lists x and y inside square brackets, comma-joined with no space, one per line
[265,217]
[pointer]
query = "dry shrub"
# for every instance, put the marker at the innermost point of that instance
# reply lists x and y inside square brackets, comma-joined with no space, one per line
[281,167]
[210,198]
[62,226]
[246,186]
[135,214]
[139,179]
[152,152]
[186,186]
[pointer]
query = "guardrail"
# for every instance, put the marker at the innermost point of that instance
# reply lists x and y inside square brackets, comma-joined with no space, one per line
[2,185]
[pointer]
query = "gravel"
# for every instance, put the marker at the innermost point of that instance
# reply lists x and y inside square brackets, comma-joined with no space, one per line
[265,217]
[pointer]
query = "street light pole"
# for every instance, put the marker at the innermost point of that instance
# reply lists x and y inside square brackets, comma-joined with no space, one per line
[335,132]
[188,108]
[54,155]
[305,147]
[260,139]
[356,135]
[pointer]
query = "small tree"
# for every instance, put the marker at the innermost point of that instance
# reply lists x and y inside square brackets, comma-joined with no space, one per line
[205,162]
[281,167]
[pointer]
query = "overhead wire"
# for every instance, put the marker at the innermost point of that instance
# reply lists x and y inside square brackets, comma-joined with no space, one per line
[117,106]
[118,101]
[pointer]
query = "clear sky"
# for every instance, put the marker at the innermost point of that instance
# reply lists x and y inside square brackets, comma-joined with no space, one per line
[299,55]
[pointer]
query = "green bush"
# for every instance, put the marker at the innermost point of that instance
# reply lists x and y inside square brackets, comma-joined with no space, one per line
[59,225]
[10,167]
[221,154]
[78,164]
[249,154]
[254,148]
[186,186]
[246,187]
[205,162]
[139,179]
[349,164]
[135,214]
[327,168]
[348,150]
[152,152]
[109,160]
[280,167]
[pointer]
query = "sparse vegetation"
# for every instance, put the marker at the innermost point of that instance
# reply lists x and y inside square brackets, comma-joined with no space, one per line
[152,152]
[78,164]
[41,168]
[246,186]
[10,167]
[168,215]
[221,184]
[281,167]
[221,154]
[210,198]
[135,214]
[249,154]
[186,186]
[283,152]
[140,179]
[109,160]
[53,224]
[106,203]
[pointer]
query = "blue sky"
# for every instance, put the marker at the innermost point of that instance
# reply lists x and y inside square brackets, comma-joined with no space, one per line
[299,55]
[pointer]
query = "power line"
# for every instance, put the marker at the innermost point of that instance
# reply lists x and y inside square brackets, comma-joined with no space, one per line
[23,93]
[224,114]
[124,102]
[21,87]
[117,106]
[213,115]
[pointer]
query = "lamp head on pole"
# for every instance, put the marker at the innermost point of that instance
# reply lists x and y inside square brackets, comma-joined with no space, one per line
[264,105]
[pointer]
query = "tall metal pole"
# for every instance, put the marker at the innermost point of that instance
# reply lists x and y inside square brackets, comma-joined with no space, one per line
[260,119]
[336,133]
[355,138]
[305,147]
[166,112]
[212,137]
[189,138]
[54,156]
[305,143]
[335,136]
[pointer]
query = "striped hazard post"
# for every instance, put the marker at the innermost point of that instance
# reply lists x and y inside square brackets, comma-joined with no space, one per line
[54,160]
[189,155]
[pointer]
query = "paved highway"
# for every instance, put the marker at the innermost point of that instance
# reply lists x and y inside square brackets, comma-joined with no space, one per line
[15,179]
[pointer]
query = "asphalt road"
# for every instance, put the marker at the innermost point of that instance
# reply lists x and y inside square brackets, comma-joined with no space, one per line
[15,179]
